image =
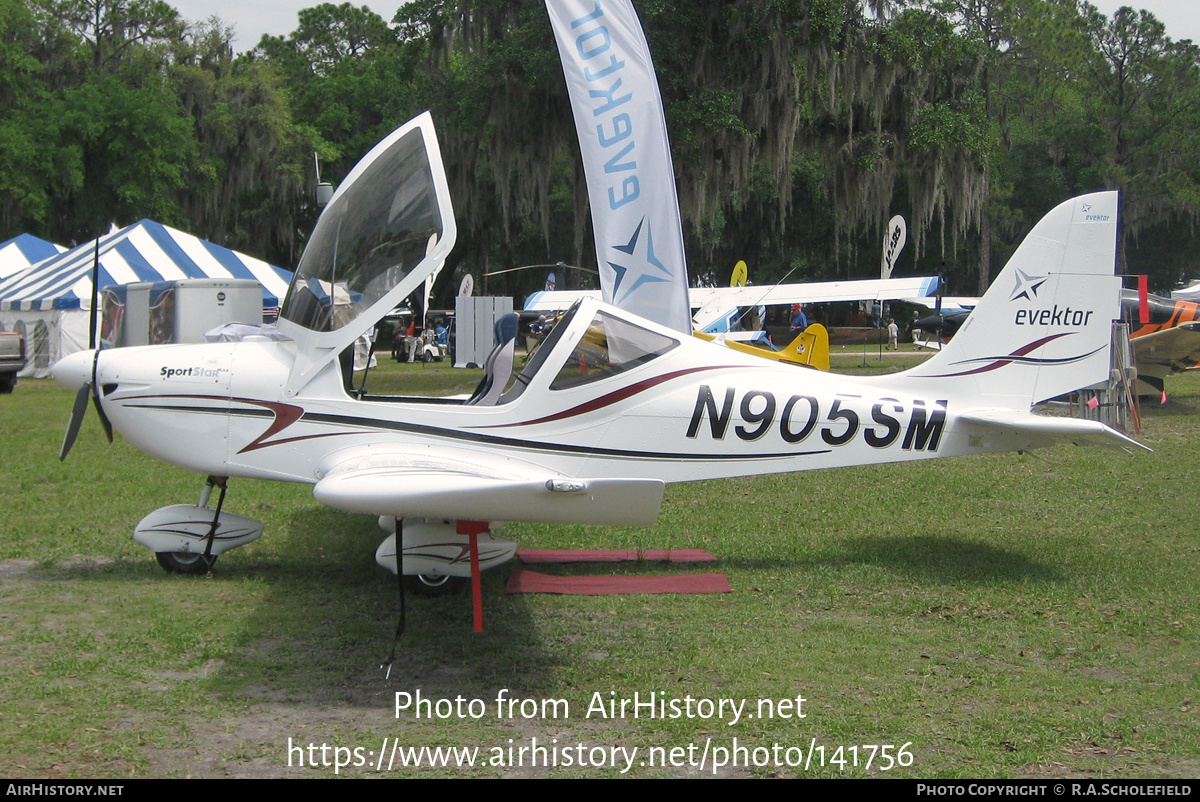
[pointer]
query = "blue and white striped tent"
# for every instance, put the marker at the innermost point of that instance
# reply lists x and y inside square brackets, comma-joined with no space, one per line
[51,301]
[24,251]
[144,251]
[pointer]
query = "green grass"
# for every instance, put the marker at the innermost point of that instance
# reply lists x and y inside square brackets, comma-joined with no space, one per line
[1007,616]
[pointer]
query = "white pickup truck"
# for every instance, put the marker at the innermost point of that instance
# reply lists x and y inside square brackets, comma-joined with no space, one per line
[12,359]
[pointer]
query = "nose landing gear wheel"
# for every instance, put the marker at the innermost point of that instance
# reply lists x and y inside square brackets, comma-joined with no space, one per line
[183,562]
[429,585]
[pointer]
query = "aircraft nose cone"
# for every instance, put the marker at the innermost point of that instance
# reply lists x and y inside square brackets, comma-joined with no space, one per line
[74,370]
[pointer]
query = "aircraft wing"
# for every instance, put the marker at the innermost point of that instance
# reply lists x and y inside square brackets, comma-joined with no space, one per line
[557,300]
[711,302]
[723,299]
[1167,350]
[950,303]
[1043,430]
[450,484]
[815,292]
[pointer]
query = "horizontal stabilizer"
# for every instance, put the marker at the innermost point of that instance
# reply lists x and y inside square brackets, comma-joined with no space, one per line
[402,492]
[1044,430]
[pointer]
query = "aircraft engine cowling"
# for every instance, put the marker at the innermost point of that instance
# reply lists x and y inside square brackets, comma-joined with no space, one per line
[171,401]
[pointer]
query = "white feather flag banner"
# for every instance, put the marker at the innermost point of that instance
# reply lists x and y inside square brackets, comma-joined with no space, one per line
[626,158]
[893,243]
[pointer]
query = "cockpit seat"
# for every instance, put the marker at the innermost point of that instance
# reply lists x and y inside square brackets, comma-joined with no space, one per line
[499,365]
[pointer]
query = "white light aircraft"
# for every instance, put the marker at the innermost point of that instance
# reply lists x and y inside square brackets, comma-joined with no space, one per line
[610,408]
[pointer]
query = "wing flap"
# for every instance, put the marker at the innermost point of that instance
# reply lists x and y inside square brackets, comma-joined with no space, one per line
[407,492]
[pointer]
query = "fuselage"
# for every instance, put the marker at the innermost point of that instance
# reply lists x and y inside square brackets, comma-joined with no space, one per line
[696,411]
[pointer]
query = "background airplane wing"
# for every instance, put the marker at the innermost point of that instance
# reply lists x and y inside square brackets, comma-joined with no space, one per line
[1168,350]
[457,485]
[815,292]
[726,298]
[556,300]
[711,302]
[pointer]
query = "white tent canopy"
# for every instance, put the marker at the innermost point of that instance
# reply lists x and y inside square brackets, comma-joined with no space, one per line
[50,302]
[23,251]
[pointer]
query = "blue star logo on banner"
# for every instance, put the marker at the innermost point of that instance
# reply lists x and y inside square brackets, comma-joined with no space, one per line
[639,266]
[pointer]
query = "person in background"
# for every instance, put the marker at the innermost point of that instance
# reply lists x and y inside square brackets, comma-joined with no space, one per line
[799,320]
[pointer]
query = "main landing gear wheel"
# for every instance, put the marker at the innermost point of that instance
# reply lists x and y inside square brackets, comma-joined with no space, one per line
[429,585]
[184,562]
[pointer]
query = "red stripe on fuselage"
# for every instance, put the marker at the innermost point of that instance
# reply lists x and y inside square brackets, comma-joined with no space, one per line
[610,398]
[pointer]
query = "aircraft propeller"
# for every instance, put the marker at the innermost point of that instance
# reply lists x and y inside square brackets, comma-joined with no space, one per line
[88,388]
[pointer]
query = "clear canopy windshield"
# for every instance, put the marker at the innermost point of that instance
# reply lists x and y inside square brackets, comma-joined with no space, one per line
[369,239]
[609,346]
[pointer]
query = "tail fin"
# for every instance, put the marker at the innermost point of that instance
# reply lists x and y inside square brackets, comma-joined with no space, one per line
[811,348]
[1044,326]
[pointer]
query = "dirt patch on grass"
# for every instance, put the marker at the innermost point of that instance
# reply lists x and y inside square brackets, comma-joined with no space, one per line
[11,569]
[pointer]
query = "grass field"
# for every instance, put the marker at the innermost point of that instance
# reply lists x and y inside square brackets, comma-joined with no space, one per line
[1001,616]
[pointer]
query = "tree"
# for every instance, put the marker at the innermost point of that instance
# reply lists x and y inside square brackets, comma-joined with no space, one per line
[340,66]
[248,184]
[1145,93]
[112,31]
[28,120]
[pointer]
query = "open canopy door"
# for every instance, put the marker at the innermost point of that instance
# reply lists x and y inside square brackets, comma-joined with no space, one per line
[389,226]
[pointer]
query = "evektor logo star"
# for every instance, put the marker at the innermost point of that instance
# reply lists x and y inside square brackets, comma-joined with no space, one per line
[1027,286]
[643,267]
